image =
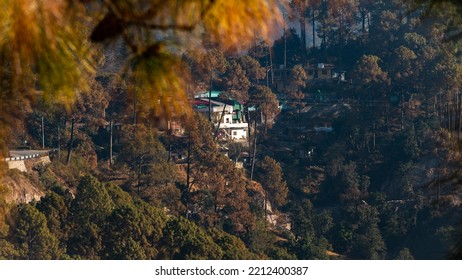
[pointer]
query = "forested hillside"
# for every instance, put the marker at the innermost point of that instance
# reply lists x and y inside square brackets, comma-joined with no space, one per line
[350,113]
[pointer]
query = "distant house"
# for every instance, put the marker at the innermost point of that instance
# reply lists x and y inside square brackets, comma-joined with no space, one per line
[227,117]
[208,94]
[281,78]
[339,76]
[319,71]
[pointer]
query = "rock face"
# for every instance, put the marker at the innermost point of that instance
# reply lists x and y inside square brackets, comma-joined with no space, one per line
[21,188]
[18,164]
[29,162]
[20,180]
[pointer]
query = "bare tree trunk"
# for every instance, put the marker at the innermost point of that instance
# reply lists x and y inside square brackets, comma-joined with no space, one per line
[363,20]
[313,29]
[299,115]
[265,118]
[438,187]
[448,116]
[71,140]
[134,110]
[254,151]
[266,209]
[373,136]
[188,168]
[169,129]
[402,111]
[110,142]
[439,111]
[459,105]
[59,142]
[285,48]
[248,126]
[43,134]
[454,112]
[188,175]
[271,64]
[303,31]
[218,126]
[210,96]
[139,175]
[368,21]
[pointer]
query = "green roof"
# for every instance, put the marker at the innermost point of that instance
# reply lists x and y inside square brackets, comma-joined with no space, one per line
[205,94]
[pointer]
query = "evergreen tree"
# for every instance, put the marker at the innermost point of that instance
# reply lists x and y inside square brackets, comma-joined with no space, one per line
[88,212]
[184,240]
[269,174]
[33,239]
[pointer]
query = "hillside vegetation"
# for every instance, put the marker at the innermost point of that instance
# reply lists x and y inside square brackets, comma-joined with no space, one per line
[359,161]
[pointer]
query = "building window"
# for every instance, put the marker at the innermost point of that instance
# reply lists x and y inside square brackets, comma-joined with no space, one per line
[234,133]
[310,72]
[324,72]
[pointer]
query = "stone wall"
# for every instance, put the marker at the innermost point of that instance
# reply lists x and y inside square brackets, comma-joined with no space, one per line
[17,164]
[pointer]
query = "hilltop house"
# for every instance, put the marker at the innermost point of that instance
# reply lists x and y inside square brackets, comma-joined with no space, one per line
[227,117]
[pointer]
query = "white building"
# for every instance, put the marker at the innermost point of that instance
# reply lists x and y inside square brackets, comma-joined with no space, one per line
[228,118]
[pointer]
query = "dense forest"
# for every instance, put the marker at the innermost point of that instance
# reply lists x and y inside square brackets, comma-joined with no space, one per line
[353,145]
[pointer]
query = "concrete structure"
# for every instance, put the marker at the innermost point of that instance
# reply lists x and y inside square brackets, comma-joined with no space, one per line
[319,71]
[227,117]
[17,164]
[17,159]
[207,94]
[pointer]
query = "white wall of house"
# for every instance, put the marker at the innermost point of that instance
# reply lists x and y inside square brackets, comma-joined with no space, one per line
[223,114]
[238,134]
[227,118]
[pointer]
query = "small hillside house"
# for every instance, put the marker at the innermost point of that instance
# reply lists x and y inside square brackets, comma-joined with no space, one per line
[320,71]
[227,116]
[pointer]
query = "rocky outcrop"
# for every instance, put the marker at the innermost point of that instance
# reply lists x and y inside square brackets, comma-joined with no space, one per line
[22,189]
[21,182]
